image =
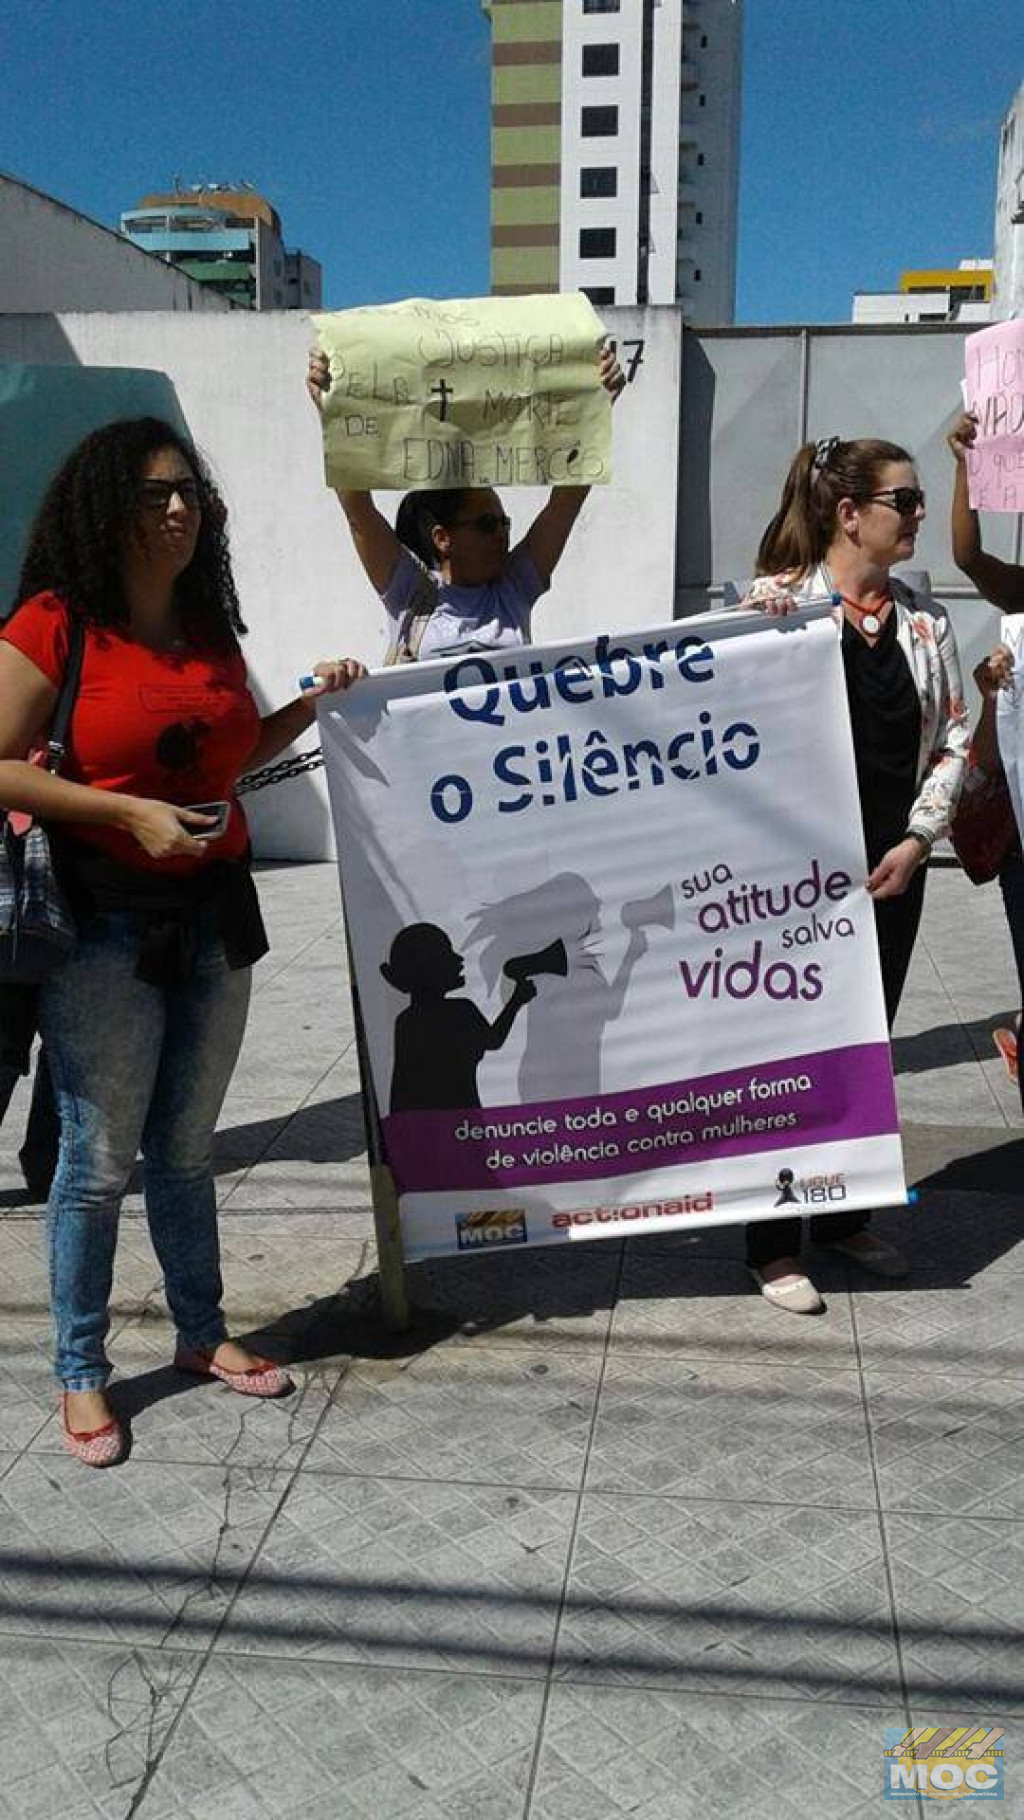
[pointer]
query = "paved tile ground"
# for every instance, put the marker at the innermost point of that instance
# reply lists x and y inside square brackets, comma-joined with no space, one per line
[603,1535]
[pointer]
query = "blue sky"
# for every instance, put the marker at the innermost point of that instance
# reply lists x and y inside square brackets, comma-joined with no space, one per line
[869,137]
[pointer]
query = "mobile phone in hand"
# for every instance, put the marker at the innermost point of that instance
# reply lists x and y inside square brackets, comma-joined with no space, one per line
[221,810]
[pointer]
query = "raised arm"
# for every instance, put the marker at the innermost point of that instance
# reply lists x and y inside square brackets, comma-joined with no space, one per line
[375,542]
[1002,583]
[994,672]
[497,1033]
[549,532]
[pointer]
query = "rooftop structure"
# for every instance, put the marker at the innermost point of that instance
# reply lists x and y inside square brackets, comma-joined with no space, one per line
[961,293]
[227,238]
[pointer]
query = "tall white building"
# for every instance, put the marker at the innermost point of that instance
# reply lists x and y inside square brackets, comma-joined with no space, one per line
[1009,234]
[615,150]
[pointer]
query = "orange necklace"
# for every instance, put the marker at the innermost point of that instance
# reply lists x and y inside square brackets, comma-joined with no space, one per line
[869,621]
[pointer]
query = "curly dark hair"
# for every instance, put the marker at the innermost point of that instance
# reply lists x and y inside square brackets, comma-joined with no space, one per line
[78,538]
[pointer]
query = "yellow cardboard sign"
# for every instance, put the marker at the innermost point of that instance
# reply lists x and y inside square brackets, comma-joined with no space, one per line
[478,392]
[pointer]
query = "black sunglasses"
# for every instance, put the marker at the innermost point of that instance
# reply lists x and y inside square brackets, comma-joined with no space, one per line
[488,522]
[903,500]
[156,495]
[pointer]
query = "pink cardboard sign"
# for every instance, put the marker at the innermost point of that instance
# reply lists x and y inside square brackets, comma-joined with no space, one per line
[994,391]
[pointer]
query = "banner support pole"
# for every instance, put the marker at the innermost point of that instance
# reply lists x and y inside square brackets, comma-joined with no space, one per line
[387,1227]
[394,1295]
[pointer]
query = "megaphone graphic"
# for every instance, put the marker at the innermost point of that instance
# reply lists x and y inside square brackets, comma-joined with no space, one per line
[658,908]
[552,959]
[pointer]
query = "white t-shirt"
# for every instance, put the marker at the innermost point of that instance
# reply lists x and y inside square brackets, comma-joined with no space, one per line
[467,619]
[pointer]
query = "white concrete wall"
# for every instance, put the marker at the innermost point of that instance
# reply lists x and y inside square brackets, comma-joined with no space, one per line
[239,381]
[899,306]
[915,306]
[55,259]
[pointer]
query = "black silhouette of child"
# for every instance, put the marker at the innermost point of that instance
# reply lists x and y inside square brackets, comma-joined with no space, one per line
[440,1042]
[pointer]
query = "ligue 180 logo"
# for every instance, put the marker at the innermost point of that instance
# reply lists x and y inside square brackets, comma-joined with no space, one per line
[943,1763]
[809,1190]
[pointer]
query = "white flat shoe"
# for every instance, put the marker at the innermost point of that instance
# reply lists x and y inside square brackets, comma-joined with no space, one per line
[794,1294]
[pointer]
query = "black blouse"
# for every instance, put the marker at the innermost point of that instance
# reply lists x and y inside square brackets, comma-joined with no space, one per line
[885,714]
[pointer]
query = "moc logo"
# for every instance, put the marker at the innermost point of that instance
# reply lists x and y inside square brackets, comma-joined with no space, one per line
[495,1226]
[943,1763]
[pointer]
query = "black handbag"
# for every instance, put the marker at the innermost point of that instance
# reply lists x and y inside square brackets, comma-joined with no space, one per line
[37,929]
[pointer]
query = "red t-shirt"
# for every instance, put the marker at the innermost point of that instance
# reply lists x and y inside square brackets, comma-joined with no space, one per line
[171,725]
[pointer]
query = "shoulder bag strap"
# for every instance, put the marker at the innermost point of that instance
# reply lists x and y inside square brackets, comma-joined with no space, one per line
[406,647]
[55,745]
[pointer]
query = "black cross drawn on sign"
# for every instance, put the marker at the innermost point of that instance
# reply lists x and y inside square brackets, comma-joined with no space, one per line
[446,392]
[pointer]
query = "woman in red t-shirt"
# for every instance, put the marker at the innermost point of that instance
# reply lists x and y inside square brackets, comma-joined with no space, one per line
[143,1025]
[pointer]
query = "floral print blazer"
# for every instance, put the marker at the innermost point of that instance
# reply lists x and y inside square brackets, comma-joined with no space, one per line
[926,639]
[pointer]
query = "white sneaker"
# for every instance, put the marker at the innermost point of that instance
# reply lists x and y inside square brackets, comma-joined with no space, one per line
[791,1290]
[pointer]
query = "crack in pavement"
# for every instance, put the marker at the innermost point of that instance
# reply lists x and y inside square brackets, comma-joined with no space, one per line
[146,1699]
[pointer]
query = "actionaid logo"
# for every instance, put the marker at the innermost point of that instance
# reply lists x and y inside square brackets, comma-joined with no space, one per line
[636,1210]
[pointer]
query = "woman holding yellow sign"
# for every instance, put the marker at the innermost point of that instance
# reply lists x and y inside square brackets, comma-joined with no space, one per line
[449,580]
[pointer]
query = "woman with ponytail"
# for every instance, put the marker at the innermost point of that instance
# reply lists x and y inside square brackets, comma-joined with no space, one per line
[849,512]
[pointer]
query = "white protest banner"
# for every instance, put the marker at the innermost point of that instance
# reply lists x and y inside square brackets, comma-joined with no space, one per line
[614,954]
[1009,718]
[993,389]
[479,392]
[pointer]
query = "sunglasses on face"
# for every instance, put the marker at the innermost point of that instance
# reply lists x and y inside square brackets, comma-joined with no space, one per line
[156,495]
[487,522]
[903,500]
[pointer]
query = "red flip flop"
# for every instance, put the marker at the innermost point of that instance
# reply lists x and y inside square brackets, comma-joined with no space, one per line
[1006,1042]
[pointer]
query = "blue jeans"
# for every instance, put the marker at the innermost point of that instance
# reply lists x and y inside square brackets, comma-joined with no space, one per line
[135,1067]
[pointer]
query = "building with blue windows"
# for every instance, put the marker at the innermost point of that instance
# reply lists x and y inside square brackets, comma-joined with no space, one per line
[226,237]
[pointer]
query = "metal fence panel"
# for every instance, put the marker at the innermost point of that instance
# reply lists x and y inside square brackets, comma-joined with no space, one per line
[904,387]
[751,396]
[740,413]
